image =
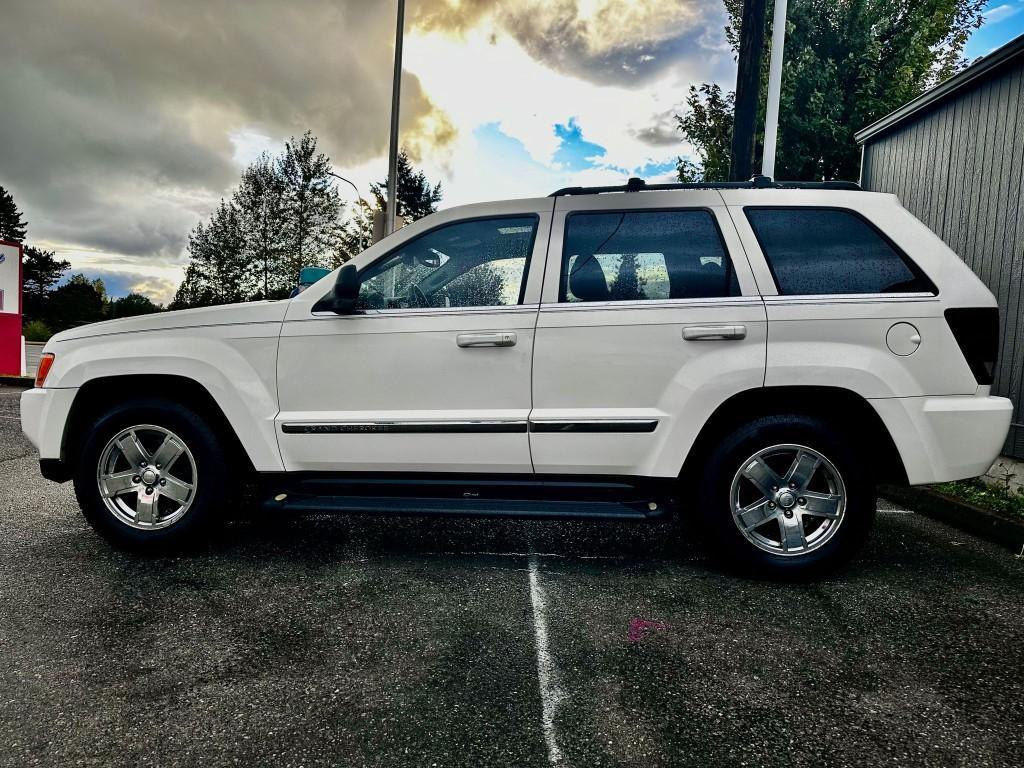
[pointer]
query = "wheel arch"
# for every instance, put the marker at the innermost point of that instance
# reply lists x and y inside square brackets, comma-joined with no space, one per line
[99,394]
[848,409]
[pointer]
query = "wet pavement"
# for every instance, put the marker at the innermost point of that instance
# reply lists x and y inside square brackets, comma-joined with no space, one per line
[358,641]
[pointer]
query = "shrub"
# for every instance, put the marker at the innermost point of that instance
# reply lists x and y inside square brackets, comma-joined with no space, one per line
[36,330]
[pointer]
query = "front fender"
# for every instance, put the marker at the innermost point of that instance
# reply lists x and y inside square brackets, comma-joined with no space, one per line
[238,371]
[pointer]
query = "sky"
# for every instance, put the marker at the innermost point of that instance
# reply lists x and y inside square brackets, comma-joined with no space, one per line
[123,124]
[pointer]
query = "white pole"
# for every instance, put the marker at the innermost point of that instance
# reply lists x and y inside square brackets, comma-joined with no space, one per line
[396,90]
[771,118]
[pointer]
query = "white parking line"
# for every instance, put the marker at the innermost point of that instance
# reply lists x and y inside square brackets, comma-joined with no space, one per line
[547,674]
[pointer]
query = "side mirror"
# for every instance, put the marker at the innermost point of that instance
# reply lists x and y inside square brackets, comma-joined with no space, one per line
[346,290]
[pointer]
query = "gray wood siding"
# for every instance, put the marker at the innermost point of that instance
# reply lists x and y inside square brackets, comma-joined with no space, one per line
[959,167]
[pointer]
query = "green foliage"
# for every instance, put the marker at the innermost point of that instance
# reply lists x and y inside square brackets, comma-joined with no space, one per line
[707,125]
[41,270]
[12,223]
[1005,500]
[847,64]
[77,302]
[415,196]
[36,330]
[285,215]
[132,305]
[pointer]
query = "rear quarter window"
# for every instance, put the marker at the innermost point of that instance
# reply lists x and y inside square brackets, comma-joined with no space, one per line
[815,251]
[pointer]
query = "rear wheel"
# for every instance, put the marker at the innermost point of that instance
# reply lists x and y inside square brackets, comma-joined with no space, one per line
[151,474]
[786,495]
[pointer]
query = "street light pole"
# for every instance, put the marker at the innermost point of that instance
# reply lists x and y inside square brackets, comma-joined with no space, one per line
[771,118]
[359,197]
[396,89]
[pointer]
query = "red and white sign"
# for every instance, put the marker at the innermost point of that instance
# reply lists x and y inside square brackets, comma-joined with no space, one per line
[10,309]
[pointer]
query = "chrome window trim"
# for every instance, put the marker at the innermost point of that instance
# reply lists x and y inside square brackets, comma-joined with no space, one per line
[851,298]
[727,301]
[509,309]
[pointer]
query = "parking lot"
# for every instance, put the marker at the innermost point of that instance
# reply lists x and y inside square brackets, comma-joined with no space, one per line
[358,641]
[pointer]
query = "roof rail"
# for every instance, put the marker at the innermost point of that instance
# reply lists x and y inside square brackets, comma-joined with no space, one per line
[756,182]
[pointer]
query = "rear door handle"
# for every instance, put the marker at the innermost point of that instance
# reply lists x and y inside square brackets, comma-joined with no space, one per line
[495,339]
[714,332]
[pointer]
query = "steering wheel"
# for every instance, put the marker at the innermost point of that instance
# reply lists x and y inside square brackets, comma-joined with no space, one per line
[418,296]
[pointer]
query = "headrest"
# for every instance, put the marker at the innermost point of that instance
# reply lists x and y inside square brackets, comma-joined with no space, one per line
[587,281]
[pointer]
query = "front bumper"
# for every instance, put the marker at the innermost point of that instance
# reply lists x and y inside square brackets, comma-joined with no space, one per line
[946,438]
[44,417]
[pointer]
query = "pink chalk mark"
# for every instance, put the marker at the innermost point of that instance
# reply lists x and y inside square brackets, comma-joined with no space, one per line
[640,628]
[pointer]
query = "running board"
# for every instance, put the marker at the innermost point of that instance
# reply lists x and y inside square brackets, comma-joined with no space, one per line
[476,495]
[406,505]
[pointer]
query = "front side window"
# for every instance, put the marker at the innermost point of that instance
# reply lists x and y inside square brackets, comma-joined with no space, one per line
[644,256]
[815,251]
[477,263]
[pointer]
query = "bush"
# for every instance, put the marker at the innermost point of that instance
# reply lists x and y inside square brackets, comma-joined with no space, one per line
[36,330]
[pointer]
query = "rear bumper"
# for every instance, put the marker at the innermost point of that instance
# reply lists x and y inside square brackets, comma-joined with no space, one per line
[946,438]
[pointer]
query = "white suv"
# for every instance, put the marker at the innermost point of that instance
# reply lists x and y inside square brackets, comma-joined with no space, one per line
[753,356]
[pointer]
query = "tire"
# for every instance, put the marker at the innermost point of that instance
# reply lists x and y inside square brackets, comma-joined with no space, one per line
[142,513]
[804,531]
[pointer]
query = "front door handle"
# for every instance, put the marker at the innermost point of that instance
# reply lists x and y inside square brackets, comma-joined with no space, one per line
[714,332]
[494,339]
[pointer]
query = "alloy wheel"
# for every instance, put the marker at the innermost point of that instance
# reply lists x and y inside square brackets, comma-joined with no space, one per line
[147,477]
[788,500]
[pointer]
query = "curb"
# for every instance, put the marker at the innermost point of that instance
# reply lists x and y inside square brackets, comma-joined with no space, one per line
[992,526]
[17,381]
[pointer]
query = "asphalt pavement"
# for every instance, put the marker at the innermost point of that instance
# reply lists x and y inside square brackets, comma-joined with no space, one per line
[366,641]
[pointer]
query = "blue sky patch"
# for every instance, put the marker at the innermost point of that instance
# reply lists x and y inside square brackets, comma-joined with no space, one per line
[575,153]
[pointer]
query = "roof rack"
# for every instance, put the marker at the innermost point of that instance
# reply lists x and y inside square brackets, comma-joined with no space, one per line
[756,182]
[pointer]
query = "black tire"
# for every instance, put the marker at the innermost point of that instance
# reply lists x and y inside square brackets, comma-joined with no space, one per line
[724,463]
[208,504]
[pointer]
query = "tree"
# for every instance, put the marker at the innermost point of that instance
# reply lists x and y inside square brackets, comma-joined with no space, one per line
[41,270]
[262,206]
[312,206]
[708,126]
[415,196]
[12,225]
[77,302]
[217,271]
[848,63]
[132,305]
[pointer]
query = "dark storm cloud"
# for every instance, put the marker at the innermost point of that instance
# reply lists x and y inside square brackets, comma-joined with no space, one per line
[115,131]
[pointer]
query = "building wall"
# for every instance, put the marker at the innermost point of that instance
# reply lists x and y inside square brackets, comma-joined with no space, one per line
[959,167]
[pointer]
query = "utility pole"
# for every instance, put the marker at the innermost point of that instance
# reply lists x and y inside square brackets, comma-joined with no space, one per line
[771,117]
[396,93]
[748,89]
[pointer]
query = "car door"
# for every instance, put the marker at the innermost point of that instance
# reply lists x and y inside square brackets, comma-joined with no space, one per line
[432,374]
[650,319]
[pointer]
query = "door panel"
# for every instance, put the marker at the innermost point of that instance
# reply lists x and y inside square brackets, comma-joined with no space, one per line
[423,389]
[606,369]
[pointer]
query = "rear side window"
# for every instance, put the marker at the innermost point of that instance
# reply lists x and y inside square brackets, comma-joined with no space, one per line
[814,251]
[644,256]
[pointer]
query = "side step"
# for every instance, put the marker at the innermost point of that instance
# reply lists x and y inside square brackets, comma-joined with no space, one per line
[407,505]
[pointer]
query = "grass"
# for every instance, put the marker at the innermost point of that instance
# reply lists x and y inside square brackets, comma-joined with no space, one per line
[986,496]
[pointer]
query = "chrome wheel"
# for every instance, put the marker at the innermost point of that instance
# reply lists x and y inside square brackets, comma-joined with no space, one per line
[788,500]
[147,477]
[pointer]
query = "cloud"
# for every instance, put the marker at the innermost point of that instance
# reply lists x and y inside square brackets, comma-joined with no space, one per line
[117,131]
[125,123]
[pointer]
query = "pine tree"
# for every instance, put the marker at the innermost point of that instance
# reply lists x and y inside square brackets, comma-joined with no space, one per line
[312,206]
[262,213]
[12,225]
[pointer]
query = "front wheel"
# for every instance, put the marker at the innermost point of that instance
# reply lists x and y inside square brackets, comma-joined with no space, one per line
[785,495]
[151,475]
